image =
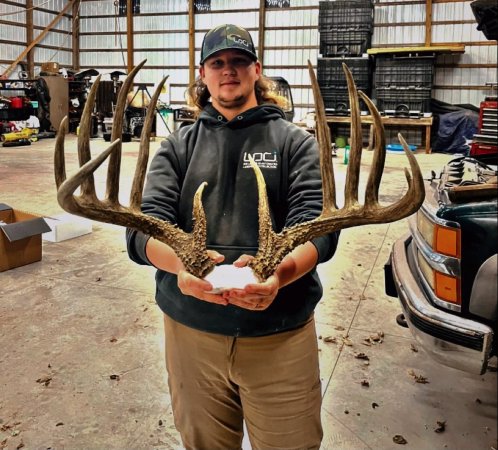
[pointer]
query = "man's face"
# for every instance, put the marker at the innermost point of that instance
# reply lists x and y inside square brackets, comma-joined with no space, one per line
[230,76]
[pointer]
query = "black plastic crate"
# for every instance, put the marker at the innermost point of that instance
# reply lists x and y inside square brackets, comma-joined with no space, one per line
[331,74]
[413,72]
[344,42]
[337,102]
[402,101]
[403,93]
[357,15]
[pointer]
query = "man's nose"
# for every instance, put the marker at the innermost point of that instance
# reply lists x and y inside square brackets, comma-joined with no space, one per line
[229,67]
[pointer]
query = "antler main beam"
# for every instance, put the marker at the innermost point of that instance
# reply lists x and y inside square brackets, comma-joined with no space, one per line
[273,247]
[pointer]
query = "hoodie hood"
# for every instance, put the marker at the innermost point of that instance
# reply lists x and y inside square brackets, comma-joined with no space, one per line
[258,114]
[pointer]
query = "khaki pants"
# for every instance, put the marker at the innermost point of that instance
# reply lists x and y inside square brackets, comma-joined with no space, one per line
[272,382]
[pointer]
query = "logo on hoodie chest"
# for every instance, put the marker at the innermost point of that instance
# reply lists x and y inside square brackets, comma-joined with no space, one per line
[264,160]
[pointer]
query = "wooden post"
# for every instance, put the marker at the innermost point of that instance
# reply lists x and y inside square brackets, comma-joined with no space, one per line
[29,37]
[261,31]
[36,40]
[129,35]
[428,23]
[191,42]
[75,36]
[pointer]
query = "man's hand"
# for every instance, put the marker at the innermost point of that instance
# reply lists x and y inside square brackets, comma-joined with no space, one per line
[256,296]
[198,288]
[259,296]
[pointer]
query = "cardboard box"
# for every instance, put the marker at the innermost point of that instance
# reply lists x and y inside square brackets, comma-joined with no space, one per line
[52,67]
[66,226]
[20,237]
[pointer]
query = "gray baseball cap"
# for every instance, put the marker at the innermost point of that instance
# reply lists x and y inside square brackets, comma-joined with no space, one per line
[226,37]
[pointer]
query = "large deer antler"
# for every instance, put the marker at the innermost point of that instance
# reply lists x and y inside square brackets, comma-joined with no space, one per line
[190,247]
[273,247]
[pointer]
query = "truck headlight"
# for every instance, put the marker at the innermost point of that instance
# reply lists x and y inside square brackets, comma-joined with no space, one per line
[442,239]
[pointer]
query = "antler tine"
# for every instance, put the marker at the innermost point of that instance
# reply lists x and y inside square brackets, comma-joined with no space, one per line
[267,236]
[59,156]
[353,172]
[143,152]
[379,158]
[414,196]
[114,168]
[323,138]
[87,184]
[84,205]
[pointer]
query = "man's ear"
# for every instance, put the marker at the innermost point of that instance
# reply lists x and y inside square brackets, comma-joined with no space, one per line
[201,72]
[257,64]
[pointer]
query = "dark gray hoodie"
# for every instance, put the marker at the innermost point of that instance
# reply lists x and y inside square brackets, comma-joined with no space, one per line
[215,150]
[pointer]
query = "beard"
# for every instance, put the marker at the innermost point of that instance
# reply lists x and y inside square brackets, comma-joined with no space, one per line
[234,102]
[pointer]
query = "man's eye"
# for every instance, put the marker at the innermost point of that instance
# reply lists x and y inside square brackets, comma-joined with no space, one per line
[241,62]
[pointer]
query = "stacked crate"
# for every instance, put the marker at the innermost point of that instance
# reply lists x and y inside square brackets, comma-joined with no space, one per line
[345,29]
[403,85]
[333,84]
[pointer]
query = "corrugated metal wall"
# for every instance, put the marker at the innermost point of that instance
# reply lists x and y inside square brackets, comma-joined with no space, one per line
[291,38]
[460,78]
[56,45]
[460,74]
[12,30]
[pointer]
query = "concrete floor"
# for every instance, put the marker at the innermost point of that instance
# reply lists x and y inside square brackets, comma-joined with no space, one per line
[81,339]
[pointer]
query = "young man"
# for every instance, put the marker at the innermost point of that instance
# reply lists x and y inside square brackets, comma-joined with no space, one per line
[243,354]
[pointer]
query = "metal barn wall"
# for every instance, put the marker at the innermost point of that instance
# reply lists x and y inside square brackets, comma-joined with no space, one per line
[459,78]
[161,36]
[462,78]
[56,45]
[290,38]
[12,35]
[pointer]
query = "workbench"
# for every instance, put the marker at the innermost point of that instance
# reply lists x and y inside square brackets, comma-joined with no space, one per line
[389,121]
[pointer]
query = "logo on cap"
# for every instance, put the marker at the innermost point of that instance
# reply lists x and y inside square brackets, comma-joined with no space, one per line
[238,40]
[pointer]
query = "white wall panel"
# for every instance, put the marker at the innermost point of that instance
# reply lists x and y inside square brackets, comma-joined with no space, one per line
[465,32]
[12,32]
[291,18]
[464,76]
[451,11]
[43,19]
[13,13]
[10,53]
[159,23]
[97,7]
[474,54]
[396,35]
[248,19]
[461,96]
[154,6]
[399,14]
[234,4]
[55,39]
